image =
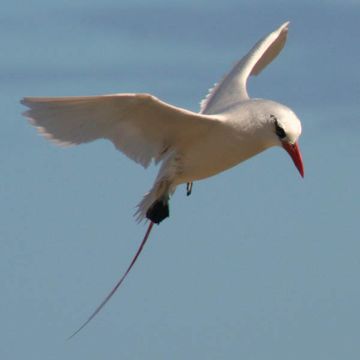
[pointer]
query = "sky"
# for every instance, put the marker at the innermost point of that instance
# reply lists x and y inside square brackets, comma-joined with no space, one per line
[257,263]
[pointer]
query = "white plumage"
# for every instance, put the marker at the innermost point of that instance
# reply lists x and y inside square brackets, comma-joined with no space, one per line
[232,88]
[190,146]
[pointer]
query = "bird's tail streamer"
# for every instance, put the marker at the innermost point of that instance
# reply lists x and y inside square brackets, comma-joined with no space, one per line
[112,292]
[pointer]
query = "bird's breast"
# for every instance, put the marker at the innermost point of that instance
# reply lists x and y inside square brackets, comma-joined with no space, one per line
[218,151]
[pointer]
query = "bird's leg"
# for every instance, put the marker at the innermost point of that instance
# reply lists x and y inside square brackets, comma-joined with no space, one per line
[159,210]
[189,186]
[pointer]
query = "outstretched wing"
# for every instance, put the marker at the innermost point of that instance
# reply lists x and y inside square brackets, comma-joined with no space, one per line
[232,88]
[139,125]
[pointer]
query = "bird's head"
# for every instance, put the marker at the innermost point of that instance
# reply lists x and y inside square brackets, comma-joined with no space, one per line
[279,126]
[286,128]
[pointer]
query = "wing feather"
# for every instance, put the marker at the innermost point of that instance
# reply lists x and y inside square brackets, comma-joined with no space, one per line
[232,88]
[139,125]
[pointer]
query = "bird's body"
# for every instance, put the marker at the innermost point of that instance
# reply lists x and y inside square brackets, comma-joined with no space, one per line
[230,128]
[228,139]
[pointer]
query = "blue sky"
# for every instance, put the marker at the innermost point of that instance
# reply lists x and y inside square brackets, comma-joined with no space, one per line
[256,264]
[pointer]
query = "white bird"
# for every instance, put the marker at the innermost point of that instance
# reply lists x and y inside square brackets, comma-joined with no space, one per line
[229,129]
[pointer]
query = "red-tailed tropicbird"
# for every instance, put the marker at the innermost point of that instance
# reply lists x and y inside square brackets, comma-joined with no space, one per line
[229,129]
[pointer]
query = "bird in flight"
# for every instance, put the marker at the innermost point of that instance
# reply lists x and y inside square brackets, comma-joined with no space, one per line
[230,128]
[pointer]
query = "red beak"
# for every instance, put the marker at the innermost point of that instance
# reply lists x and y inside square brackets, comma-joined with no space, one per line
[294,151]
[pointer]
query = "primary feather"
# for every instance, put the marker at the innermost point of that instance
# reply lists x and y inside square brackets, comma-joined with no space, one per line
[232,88]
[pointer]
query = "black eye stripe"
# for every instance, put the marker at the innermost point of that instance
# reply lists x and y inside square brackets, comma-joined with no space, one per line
[280,132]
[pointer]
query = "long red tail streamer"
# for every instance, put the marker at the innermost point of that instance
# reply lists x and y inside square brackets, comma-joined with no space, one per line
[112,292]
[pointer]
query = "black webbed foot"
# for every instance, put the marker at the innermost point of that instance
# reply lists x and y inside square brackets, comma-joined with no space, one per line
[158,211]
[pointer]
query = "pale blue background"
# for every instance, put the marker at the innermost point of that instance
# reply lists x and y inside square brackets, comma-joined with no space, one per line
[256,264]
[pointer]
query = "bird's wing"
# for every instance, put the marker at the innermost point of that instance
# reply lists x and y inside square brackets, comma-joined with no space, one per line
[139,125]
[232,88]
